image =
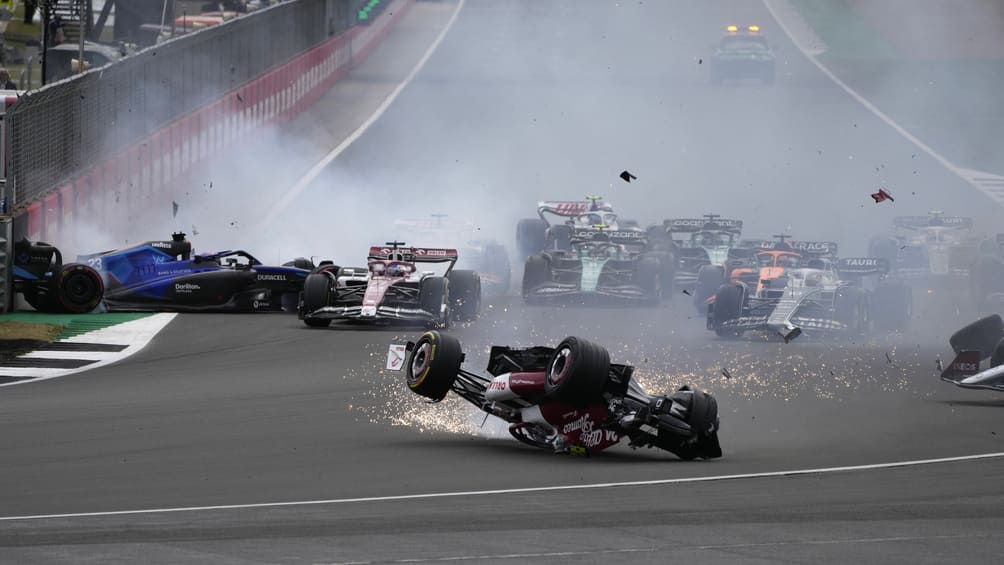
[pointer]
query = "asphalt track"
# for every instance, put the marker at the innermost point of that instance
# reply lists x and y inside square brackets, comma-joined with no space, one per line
[243,410]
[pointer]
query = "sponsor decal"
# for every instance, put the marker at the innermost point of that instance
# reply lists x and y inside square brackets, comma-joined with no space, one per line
[186,288]
[160,245]
[395,356]
[861,262]
[965,367]
[271,277]
[518,381]
[496,384]
[260,304]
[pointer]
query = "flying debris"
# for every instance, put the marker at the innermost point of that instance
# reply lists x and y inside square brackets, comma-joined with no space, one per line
[174,209]
[725,373]
[687,292]
[882,195]
[628,177]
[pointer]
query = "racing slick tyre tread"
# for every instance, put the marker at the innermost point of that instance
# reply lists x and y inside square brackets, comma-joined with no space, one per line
[559,238]
[649,273]
[997,358]
[728,306]
[465,294]
[982,335]
[434,365]
[316,293]
[850,308]
[531,236]
[77,289]
[892,306]
[577,372]
[709,280]
[536,272]
[433,293]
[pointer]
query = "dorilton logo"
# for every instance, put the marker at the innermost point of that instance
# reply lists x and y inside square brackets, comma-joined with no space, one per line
[186,287]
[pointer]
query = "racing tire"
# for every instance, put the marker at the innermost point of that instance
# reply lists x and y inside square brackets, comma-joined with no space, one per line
[497,260]
[649,274]
[577,372]
[434,298]
[850,307]
[884,248]
[559,238]
[536,272]
[77,289]
[316,295]
[465,294]
[434,365]
[892,306]
[982,335]
[531,236]
[709,280]
[728,306]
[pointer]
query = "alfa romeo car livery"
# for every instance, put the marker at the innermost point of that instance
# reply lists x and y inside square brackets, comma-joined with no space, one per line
[392,287]
[982,340]
[167,276]
[565,399]
[599,264]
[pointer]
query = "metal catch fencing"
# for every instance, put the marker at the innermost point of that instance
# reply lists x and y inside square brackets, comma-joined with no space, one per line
[54,132]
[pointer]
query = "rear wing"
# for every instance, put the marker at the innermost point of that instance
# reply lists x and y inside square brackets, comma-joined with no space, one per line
[814,248]
[692,225]
[414,254]
[862,266]
[570,208]
[919,222]
[626,237]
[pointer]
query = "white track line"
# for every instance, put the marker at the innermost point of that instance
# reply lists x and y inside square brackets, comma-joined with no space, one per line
[502,556]
[557,488]
[316,170]
[135,334]
[964,174]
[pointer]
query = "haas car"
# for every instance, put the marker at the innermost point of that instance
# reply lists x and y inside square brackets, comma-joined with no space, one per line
[600,264]
[486,256]
[933,247]
[982,340]
[392,287]
[48,285]
[566,399]
[168,276]
[534,235]
[796,287]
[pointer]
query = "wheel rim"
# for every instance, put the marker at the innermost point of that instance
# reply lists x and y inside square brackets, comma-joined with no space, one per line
[421,361]
[559,367]
[79,288]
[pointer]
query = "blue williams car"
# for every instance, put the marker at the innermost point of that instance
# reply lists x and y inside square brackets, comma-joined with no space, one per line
[167,276]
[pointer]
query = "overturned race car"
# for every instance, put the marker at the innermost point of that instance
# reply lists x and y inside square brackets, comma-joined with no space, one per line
[982,340]
[567,399]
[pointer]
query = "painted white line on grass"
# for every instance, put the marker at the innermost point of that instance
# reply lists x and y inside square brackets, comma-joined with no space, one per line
[316,170]
[523,490]
[135,334]
[967,175]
